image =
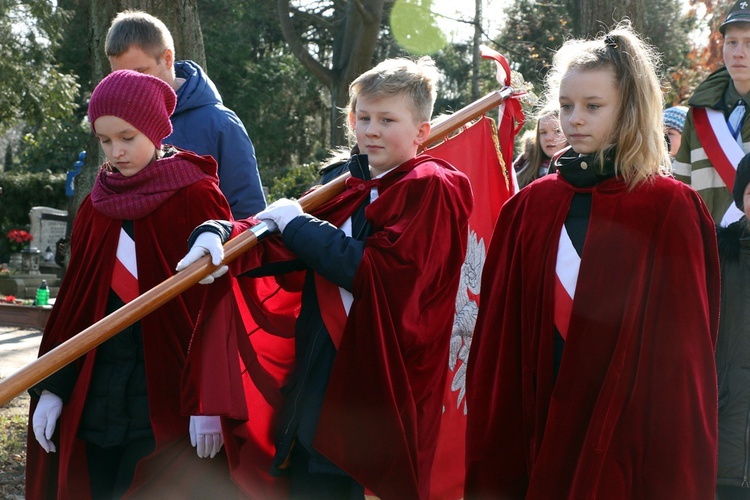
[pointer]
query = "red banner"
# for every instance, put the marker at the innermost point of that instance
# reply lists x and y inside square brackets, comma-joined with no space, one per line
[268,314]
[476,152]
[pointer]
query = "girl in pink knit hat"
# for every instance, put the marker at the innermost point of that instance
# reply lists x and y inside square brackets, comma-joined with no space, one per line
[113,422]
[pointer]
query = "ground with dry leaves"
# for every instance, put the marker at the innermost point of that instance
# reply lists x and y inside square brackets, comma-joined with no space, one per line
[13,418]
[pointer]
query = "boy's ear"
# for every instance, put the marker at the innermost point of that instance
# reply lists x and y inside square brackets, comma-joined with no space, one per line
[352,120]
[423,132]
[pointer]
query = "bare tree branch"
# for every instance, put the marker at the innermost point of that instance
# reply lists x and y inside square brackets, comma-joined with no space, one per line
[293,40]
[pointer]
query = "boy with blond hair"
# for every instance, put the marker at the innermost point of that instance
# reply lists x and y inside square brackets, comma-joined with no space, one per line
[382,264]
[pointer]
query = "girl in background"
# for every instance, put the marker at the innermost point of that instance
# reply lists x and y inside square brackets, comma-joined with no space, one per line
[549,139]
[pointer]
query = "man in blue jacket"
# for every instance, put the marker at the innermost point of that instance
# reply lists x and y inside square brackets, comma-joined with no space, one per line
[141,42]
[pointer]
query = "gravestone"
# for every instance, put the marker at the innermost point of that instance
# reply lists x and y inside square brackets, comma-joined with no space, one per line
[47,226]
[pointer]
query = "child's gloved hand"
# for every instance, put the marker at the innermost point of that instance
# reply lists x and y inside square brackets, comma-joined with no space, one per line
[206,436]
[279,213]
[45,418]
[206,243]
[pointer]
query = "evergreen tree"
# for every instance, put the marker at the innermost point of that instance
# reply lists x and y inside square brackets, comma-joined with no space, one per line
[34,87]
[669,31]
[534,31]
[8,163]
[335,41]
[283,107]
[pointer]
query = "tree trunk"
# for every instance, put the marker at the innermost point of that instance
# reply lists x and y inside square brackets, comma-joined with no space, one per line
[180,16]
[476,53]
[598,16]
[354,29]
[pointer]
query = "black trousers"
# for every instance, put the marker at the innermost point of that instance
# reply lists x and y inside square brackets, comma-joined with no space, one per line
[314,485]
[111,470]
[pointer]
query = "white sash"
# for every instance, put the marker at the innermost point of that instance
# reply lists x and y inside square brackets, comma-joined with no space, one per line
[566,278]
[125,270]
[732,152]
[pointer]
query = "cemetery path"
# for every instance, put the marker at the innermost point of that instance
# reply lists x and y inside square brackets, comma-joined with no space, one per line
[19,346]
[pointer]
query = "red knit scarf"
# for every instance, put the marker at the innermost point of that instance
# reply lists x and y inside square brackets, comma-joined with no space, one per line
[135,197]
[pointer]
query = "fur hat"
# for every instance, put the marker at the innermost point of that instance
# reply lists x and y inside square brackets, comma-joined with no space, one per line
[741,180]
[739,13]
[144,101]
[675,117]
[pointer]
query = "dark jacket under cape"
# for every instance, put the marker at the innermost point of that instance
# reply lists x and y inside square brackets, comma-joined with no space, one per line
[632,413]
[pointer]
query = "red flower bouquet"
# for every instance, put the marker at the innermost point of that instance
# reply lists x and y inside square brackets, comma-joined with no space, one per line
[18,239]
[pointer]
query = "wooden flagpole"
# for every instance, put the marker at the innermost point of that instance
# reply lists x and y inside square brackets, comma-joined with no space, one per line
[170,288]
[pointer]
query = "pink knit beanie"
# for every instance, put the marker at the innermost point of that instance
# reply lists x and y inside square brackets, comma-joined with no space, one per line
[144,101]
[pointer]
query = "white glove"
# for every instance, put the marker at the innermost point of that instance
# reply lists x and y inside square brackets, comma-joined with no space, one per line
[45,418]
[206,242]
[205,434]
[279,213]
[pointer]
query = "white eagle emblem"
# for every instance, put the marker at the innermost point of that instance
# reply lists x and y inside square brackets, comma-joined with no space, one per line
[467,307]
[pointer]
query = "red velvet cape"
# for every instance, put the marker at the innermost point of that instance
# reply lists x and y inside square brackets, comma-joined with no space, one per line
[382,409]
[173,469]
[633,413]
[245,340]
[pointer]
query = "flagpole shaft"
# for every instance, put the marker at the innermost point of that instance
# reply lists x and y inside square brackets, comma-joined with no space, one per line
[149,301]
[447,124]
[120,319]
